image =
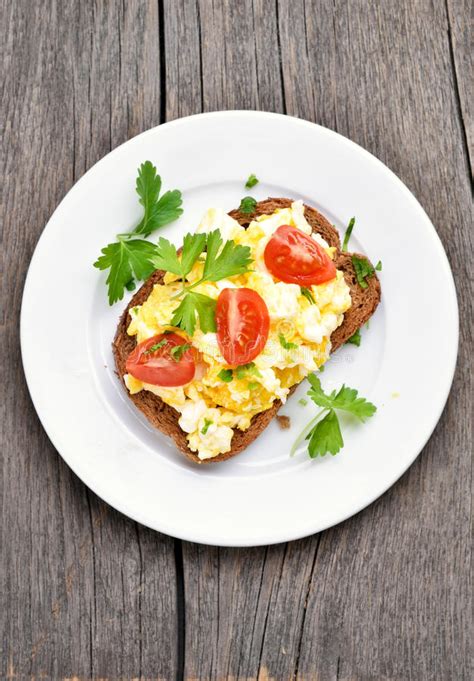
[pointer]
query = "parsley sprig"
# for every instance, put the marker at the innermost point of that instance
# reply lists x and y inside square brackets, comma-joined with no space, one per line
[130,257]
[223,260]
[324,434]
[158,210]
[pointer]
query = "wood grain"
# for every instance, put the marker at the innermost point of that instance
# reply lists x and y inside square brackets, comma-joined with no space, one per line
[86,593]
[89,594]
[460,15]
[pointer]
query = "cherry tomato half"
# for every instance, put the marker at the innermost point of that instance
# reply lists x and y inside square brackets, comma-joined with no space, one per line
[295,258]
[159,366]
[243,323]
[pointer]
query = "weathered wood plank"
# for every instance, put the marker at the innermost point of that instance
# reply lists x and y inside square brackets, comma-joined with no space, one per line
[460,34]
[397,572]
[86,593]
[360,613]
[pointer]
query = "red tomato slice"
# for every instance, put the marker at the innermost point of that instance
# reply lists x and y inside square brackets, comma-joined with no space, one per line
[295,258]
[160,367]
[243,323]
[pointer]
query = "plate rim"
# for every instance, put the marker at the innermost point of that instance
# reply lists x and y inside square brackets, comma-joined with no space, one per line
[201,537]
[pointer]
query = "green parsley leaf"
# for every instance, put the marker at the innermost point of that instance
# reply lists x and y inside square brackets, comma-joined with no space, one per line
[378,266]
[195,304]
[318,395]
[253,385]
[285,344]
[326,436]
[126,259]
[245,370]
[156,347]
[166,256]
[130,285]
[251,181]
[226,375]
[355,339]
[193,246]
[157,211]
[346,400]
[178,351]
[232,260]
[348,233]
[308,295]
[206,310]
[247,205]
[363,270]
[303,402]
[205,428]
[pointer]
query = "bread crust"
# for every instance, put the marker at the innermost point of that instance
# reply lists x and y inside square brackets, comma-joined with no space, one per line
[165,418]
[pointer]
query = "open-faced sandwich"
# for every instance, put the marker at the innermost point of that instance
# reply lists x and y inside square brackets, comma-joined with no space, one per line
[225,328]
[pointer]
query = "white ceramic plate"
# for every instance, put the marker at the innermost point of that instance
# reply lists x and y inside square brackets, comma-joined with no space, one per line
[404,365]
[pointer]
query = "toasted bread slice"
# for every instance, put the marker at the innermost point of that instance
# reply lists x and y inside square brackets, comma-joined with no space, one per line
[164,417]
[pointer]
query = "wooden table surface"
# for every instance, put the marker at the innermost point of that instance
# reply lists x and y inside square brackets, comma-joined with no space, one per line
[87,593]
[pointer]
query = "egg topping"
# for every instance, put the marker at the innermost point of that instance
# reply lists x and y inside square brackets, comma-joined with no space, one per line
[226,398]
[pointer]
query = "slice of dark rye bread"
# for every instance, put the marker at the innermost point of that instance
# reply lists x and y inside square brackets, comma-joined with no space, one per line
[164,417]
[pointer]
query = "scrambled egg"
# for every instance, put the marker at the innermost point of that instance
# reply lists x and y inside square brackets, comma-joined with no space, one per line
[210,408]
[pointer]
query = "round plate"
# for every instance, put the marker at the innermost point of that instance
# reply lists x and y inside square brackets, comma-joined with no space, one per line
[405,363]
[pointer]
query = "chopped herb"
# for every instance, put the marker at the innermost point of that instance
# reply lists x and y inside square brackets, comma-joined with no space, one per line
[253,385]
[285,344]
[135,309]
[348,233]
[355,338]
[247,370]
[247,205]
[251,181]
[155,347]
[363,270]
[303,402]
[205,428]
[378,266]
[178,351]
[130,285]
[226,375]
[321,368]
[308,295]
